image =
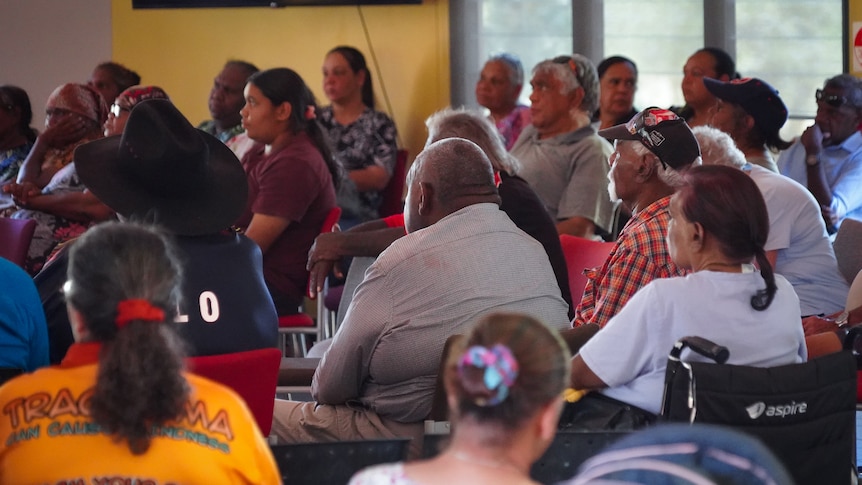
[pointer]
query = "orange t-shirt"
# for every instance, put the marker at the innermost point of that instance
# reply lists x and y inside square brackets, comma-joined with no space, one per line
[47,436]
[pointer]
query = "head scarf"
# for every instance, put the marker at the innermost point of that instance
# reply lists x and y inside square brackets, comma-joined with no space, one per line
[83,101]
[135,94]
[79,99]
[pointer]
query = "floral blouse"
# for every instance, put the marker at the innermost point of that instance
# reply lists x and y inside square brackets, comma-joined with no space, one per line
[368,141]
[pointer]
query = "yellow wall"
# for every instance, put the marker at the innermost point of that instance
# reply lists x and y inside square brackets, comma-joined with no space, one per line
[181,50]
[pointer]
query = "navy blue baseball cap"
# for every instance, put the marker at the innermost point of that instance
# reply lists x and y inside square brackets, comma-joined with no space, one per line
[756,97]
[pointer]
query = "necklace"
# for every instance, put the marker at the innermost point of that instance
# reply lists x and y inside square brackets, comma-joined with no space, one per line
[729,267]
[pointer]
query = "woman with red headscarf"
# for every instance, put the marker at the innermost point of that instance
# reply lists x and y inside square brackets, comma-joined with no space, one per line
[75,115]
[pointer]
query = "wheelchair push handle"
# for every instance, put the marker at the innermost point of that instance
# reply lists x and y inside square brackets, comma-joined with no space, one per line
[702,346]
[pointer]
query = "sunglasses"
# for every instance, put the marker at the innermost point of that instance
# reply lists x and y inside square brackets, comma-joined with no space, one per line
[116,109]
[568,61]
[833,100]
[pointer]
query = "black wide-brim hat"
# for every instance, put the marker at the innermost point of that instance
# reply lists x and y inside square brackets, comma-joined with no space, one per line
[165,171]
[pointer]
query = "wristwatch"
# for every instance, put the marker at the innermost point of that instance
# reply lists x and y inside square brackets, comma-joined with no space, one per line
[842,318]
[812,160]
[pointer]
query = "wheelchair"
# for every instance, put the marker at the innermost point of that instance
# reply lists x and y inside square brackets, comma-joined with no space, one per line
[804,413]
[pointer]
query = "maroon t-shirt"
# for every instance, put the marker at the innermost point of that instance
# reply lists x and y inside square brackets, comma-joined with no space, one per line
[294,184]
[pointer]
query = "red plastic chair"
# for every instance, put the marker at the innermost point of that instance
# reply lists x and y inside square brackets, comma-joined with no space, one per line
[301,323]
[393,194]
[252,374]
[15,237]
[582,254]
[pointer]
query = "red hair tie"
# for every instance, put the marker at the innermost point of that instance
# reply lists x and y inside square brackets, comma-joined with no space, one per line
[129,310]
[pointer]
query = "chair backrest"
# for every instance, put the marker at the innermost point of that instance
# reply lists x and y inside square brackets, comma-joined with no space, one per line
[252,374]
[582,254]
[393,194]
[317,463]
[15,236]
[805,413]
[848,248]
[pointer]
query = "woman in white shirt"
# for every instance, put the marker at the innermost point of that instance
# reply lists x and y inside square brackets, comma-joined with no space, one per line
[718,227]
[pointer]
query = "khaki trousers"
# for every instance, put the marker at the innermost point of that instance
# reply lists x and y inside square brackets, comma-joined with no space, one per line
[304,422]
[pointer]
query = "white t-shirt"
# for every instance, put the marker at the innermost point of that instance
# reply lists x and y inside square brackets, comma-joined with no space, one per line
[798,234]
[630,353]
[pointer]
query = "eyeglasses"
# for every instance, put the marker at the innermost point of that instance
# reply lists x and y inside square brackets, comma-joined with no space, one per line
[833,100]
[116,109]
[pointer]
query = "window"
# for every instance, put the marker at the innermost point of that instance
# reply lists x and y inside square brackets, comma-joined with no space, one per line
[533,30]
[659,36]
[792,44]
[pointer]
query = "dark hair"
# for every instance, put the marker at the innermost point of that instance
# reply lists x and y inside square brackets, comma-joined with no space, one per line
[248,67]
[724,64]
[543,372]
[613,60]
[356,61]
[17,98]
[730,207]
[140,382]
[774,142]
[122,76]
[851,85]
[758,137]
[283,85]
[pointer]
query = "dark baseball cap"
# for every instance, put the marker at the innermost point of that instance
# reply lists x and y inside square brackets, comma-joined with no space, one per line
[662,132]
[756,97]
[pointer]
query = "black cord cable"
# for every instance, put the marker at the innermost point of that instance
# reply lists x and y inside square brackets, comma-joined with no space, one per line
[377,70]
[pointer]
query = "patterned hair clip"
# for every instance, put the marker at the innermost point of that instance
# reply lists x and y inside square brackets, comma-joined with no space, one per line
[501,370]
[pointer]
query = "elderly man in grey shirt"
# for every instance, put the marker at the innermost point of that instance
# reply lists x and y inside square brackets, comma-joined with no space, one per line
[462,258]
[563,158]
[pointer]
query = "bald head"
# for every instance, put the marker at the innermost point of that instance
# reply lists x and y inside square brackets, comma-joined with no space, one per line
[447,176]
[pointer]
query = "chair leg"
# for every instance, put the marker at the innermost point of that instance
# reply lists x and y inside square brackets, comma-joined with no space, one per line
[304,345]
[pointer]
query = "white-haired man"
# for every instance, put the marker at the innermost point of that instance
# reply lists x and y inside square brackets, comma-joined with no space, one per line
[563,159]
[650,152]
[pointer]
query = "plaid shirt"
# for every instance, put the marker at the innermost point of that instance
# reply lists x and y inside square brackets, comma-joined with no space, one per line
[639,257]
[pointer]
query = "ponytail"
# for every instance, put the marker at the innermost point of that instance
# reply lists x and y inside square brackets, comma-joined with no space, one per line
[763,298]
[140,382]
[321,142]
[124,280]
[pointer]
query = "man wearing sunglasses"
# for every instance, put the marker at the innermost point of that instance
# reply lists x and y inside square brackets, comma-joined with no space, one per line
[827,158]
